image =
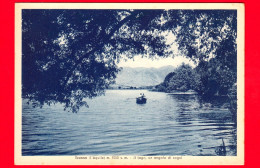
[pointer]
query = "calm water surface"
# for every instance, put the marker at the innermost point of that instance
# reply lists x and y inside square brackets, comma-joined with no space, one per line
[115,125]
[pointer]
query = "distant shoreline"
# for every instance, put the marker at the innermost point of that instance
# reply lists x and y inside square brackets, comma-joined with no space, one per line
[151,90]
[180,92]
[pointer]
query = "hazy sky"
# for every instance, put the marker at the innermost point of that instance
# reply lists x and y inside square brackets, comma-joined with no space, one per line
[156,63]
[145,62]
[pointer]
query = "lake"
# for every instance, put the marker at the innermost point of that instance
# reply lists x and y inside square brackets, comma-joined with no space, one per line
[168,124]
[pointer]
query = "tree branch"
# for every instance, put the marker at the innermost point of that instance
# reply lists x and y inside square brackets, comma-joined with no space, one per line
[100,45]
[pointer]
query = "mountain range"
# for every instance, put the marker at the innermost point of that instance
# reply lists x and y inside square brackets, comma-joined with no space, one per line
[141,76]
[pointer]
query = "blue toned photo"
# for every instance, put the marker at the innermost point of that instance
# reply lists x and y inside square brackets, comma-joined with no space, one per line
[129,82]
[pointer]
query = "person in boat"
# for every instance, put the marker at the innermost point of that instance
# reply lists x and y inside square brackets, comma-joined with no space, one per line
[141,99]
[142,96]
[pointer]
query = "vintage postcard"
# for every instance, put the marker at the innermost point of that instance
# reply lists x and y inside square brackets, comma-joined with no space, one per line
[129,84]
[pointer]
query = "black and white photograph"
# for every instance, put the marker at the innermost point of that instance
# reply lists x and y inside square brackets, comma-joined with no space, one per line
[125,83]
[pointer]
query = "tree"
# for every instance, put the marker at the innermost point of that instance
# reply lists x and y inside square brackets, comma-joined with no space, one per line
[209,38]
[69,55]
[182,79]
[203,33]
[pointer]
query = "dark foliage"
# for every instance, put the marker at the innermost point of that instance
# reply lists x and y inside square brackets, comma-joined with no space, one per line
[182,79]
[69,55]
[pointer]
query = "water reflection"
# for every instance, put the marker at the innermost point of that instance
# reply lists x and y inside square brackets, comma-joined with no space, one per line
[211,114]
[185,107]
[115,125]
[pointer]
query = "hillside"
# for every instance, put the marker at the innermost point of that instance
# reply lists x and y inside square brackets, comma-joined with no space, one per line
[139,77]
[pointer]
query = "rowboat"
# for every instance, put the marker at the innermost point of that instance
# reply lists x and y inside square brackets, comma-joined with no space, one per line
[141,100]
